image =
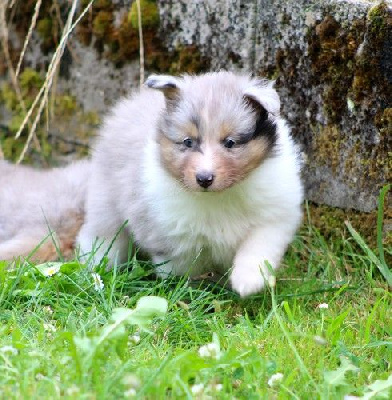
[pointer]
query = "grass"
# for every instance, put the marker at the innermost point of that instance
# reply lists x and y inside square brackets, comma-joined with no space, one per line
[64,335]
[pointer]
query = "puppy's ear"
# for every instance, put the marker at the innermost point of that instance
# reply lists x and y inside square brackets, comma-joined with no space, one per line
[262,93]
[169,85]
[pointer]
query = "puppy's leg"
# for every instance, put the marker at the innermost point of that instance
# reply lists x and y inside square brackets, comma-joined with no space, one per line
[102,233]
[264,244]
[164,268]
[97,240]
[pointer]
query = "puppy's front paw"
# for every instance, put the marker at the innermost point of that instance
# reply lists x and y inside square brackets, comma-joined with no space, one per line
[248,277]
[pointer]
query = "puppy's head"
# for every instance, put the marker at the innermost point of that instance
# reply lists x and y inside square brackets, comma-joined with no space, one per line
[215,128]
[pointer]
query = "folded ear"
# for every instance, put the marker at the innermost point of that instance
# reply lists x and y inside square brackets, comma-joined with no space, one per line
[263,93]
[169,85]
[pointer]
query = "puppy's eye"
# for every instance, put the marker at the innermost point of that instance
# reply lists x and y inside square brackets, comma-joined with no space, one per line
[229,143]
[188,142]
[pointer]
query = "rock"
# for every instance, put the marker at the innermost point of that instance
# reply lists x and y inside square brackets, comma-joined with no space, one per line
[333,64]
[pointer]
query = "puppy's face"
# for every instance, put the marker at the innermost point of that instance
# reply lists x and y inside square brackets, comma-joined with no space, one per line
[214,132]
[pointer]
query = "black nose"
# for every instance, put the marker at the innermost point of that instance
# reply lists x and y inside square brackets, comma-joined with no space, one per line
[204,179]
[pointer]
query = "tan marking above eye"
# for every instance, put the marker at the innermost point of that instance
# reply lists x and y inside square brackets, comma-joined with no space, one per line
[225,130]
[190,130]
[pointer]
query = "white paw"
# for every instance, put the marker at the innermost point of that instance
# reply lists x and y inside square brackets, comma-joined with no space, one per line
[164,268]
[248,277]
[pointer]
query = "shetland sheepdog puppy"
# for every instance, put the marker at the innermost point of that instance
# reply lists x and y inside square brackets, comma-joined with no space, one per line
[205,174]
[41,211]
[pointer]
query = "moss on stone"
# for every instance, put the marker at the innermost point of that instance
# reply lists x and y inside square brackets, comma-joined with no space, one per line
[62,107]
[48,25]
[351,64]
[332,50]
[326,146]
[179,60]
[30,80]
[119,42]
[44,27]
[102,24]
[65,105]
[370,70]
[149,12]
[383,121]
[330,222]
[114,35]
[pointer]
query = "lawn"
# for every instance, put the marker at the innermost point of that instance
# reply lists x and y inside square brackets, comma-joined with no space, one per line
[323,332]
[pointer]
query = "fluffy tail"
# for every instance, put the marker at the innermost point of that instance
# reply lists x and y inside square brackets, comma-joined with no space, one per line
[49,246]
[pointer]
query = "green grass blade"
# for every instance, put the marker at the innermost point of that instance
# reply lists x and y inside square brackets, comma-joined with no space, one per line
[383,268]
[380,215]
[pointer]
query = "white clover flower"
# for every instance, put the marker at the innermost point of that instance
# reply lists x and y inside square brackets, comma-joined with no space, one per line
[132,382]
[9,349]
[210,350]
[320,340]
[130,392]
[72,390]
[48,309]
[323,306]
[275,379]
[218,387]
[51,270]
[65,360]
[135,339]
[198,388]
[49,328]
[98,284]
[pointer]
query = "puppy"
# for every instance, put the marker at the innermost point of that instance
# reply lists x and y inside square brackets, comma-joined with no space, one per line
[41,212]
[206,175]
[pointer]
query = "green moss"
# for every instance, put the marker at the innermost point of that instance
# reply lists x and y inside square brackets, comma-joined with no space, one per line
[182,59]
[383,121]
[149,12]
[63,108]
[351,63]
[48,25]
[8,97]
[11,148]
[330,222]
[332,50]
[65,105]
[376,16]
[327,146]
[345,72]
[119,42]
[30,79]
[45,27]
[370,70]
[102,24]
[92,118]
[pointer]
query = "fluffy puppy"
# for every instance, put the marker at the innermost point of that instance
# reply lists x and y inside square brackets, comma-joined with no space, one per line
[39,204]
[206,174]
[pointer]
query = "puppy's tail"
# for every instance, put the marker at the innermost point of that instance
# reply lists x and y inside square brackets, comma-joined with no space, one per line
[45,246]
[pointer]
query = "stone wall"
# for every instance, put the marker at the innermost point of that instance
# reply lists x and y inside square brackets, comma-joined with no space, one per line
[332,62]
